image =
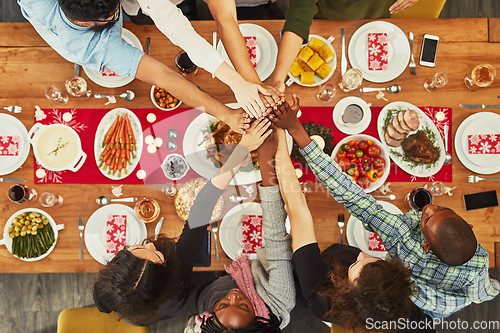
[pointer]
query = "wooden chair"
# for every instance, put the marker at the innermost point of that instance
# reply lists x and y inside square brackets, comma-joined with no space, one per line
[84,320]
[422,9]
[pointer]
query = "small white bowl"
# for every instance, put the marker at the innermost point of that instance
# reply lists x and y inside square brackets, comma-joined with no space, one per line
[153,99]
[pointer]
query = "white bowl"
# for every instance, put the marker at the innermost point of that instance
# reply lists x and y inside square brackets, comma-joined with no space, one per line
[383,153]
[156,104]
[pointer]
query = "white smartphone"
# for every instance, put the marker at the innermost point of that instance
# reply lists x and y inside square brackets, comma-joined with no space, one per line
[429,50]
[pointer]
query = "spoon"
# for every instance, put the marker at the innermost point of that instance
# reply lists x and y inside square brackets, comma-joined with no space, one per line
[127,95]
[393,89]
[390,196]
[447,156]
[236,198]
[103,200]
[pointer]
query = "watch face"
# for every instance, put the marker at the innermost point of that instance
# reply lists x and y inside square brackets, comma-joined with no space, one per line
[175,167]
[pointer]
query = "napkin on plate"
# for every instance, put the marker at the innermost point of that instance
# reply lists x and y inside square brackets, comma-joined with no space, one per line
[484,144]
[378,58]
[9,145]
[252,233]
[374,243]
[108,72]
[116,233]
[251,43]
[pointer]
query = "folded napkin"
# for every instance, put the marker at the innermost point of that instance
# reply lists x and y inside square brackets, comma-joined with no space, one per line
[116,233]
[9,145]
[252,233]
[484,144]
[378,58]
[108,72]
[374,243]
[252,49]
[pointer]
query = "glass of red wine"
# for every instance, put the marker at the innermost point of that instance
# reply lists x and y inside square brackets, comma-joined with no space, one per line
[21,193]
[184,64]
[418,199]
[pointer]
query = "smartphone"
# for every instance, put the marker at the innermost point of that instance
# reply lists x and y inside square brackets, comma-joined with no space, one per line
[429,50]
[205,252]
[481,200]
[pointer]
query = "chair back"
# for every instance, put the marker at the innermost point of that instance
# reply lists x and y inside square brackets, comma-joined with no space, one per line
[422,9]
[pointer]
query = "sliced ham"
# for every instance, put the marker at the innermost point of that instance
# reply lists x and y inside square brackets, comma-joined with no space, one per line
[391,142]
[398,127]
[391,131]
[411,119]
[402,121]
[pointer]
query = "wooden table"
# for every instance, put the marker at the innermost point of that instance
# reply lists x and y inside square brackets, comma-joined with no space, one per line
[28,65]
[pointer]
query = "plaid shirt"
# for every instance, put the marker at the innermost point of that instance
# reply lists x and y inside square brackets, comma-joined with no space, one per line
[441,288]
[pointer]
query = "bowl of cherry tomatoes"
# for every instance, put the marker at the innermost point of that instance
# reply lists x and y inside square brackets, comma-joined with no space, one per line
[364,159]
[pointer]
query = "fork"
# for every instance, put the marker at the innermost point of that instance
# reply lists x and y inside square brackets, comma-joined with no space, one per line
[341,223]
[475,179]
[80,227]
[412,62]
[214,226]
[13,109]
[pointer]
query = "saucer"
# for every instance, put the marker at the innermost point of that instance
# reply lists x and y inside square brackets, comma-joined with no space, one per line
[355,128]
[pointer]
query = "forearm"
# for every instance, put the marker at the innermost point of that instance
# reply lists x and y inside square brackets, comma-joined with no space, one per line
[288,49]
[268,171]
[223,177]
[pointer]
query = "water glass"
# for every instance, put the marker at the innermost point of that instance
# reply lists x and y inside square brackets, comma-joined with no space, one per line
[77,87]
[169,190]
[56,95]
[351,80]
[184,64]
[21,193]
[436,188]
[326,93]
[438,80]
[418,199]
[48,199]
[481,76]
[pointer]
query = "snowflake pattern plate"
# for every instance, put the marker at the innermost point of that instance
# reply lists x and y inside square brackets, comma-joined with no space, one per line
[10,126]
[95,231]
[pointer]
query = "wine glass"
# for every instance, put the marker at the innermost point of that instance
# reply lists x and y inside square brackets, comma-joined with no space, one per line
[481,76]
[326,93]
[351,80]
[418,199]
[77,87]
[438,80]
[48,199]
[169,190]
[21,193]
[56,95]
[184,64]
[436,188]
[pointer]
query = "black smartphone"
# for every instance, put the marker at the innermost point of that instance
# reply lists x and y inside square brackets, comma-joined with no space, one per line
[481,200]
[205,252]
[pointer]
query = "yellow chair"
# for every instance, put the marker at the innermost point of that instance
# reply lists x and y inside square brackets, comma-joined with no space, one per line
[85,320]
[339,329]
[422,9]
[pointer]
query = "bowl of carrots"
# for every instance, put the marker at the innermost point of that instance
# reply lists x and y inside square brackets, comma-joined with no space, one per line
[163,100]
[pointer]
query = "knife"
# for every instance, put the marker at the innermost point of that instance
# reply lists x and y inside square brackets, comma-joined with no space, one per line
[77,70]
[12,179]
[158,227]
[478,106]
[343,60]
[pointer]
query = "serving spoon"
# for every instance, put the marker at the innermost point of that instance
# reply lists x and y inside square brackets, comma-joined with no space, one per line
[103,200]
[127,95]
[447,156]
[393,89]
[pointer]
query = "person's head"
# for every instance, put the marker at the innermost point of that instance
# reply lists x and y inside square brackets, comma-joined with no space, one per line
[369,288]
[447,235]
[138,279]
[96,14]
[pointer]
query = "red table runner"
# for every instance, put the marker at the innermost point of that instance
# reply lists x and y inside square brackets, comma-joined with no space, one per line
[323,115]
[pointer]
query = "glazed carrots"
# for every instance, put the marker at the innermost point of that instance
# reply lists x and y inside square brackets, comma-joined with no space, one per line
[119,144]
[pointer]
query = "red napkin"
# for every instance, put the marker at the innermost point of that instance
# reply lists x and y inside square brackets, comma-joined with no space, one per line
[252,49]
[9,145]
[252,233]
[374,243]
[378,58]
[108,72]
[116,233]
[484,144]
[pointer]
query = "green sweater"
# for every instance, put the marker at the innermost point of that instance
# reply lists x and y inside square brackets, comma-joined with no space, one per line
[300,13]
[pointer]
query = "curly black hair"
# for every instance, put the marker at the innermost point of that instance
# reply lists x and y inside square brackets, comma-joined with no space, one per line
[88,10]
[260,324]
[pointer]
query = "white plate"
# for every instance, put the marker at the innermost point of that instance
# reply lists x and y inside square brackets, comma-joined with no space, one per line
[230,233]
[399,51]
[478,123]
[193,146]
[11,126]
[8,241]
[115,81]
[361,235]
[103,127]
[349,233]
[267,49]
[359,127]
[318,80]
[425,121]
[383,153]
[95,231]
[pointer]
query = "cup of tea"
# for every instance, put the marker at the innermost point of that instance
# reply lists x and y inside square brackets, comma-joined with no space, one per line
[21,193]
[147,209]
[184,64]
[418,199]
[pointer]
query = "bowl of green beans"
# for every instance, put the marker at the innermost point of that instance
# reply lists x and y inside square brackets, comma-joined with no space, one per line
[30,234]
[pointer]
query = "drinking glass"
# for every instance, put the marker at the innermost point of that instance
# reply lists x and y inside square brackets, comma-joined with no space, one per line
[21,193]
[48,199]
[438,80]
[326,93]
[56,95]
[169,190]
[351,80]
[77,87]
[481,76]
[184,64]
[147,209]
[418,199]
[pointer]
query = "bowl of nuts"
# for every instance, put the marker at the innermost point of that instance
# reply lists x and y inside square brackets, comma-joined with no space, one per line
[163,100]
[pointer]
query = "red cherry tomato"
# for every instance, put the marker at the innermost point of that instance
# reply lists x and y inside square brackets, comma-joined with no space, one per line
[344,163]
[363,181]
[363,145]
[378,163]
[351,155]
[341,153]
[353,143]
[373,151]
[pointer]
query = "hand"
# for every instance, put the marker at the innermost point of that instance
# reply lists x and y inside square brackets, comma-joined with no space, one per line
[237,119]
[279,85]
[401,5]
[247,95]
[267,150]
[256,134]
[286,116]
